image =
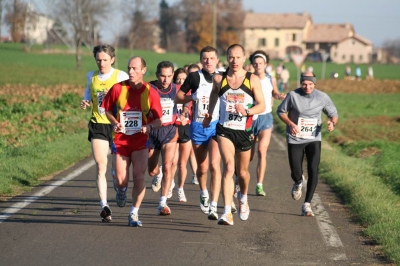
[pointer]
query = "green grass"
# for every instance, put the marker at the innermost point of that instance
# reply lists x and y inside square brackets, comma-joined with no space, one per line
[52,69]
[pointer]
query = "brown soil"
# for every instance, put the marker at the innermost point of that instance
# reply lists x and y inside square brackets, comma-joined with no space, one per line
[361,86]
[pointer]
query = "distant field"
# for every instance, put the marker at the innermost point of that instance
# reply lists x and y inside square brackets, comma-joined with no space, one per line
[45,69]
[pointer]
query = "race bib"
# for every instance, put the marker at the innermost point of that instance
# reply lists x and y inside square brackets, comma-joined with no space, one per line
[167,110]
[100,99]
[202,106]
[233,119]
[131,122]
[307,128]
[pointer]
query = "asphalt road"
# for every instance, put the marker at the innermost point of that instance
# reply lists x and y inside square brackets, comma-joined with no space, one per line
[63,227]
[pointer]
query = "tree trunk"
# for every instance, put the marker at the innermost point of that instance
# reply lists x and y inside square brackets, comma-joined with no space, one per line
[78,54]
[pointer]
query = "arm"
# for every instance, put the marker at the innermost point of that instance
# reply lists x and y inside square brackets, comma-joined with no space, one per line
[87,98]
[192,81]
[331,111]
[181,97]
[258,96]
[213,100]
[282,113]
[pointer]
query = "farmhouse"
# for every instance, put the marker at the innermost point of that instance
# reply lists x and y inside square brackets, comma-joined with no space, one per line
[283,34]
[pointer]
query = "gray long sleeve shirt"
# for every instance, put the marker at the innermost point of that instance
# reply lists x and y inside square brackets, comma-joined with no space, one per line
[299,104]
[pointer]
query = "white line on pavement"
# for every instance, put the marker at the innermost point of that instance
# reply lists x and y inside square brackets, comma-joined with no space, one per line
[44,191]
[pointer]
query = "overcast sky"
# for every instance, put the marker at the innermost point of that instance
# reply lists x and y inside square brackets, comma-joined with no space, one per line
[376,20]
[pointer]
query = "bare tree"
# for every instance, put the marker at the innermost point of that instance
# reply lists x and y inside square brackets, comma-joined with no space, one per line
[82,16]
[2,2]
[15,18]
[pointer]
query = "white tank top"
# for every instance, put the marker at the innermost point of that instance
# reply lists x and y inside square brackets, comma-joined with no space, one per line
[202,103]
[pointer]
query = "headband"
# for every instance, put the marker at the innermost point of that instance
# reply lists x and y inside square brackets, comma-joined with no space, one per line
[312,79]
[260,55]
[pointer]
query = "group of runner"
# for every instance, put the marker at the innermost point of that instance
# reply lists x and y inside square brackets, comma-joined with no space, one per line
[198,114]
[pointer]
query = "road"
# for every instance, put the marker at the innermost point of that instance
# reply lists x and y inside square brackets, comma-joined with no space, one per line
[60,225]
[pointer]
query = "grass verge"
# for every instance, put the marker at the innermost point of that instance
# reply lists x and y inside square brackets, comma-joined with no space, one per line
[23,167]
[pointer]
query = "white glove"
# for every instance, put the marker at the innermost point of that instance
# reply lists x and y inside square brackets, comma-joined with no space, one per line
[196,95]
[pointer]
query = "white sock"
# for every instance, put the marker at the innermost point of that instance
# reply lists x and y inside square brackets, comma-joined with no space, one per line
[103,203]
[123,189]
[180,188]
[259,184]
[213,203]
[227,209]
[243,199]
[134,210]
[163,200]
[204,193]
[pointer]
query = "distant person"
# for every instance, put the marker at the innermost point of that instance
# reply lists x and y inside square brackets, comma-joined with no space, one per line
[358,73]
[262,123]
[285,76]
[347,74]
[370,72]
[100,129]
[138,114]
[301,112]
[184,147]
[310,69]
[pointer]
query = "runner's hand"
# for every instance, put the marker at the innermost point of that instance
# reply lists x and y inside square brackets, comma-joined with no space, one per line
[207,120]
[331,126]
[145,129]
[84,104]
[293,129]
[118,128]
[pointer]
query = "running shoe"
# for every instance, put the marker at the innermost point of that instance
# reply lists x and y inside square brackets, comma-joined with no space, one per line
[212,214]
[204,204]
[194,180]
[260,191]
[296,191]
[181,195]
[233,207]
[133,220]
[105,214]
[244,210]
[120,198]
[114,177]
[156,183]
[170,189]
[306,209]
[237,189]
[163,209]
[226,219]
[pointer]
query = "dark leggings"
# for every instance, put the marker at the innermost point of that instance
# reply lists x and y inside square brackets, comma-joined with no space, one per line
[296,152]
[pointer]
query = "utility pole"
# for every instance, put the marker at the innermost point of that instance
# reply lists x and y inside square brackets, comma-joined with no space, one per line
[214,24]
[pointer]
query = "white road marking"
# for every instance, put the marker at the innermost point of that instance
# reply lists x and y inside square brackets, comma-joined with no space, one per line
[281,145]
[328,231]
[46,190]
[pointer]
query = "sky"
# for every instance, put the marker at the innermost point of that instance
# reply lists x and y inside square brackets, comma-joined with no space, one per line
[376,20]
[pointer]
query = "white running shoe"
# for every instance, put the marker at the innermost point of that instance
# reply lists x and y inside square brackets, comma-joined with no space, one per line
[244,210]
[194,180]
[156,183]
[212,214]
[170,189]
[204,204]
[181,195]
[296,189]
[306,209]
[226,219]
[163,209]
[233,207]
[133,220]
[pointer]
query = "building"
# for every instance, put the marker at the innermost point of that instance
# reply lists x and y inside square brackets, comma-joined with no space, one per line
[282,34]
[37,27]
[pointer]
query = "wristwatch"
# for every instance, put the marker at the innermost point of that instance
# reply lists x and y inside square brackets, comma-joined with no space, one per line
[248,112]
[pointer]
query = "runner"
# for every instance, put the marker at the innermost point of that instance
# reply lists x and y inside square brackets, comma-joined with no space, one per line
[205,146]
[263,123]
[301,112]
[164,139]
[100,129]
[138,114]
[184,146]
[236,90]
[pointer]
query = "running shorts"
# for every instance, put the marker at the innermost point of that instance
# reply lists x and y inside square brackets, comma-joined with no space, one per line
[263,122]
[100,131]
[161,136]
[241,139]
[201,135]
[183,133]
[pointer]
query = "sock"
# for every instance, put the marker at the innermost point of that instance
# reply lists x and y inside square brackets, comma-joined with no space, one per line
[243,199]
[213,203]
[204,193]
[180,188]
[123,189]
[163,200]
[134,210]
[227,209]
[259,184]
[103,203]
